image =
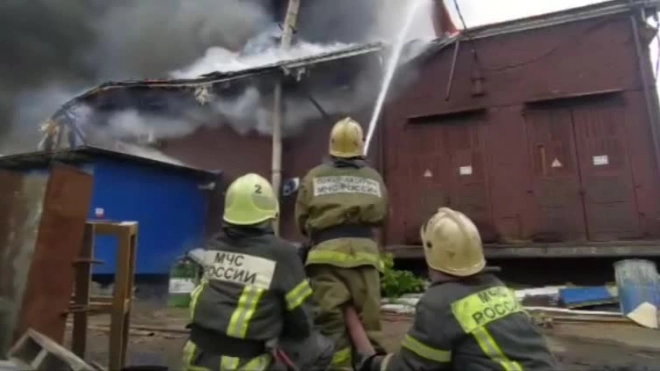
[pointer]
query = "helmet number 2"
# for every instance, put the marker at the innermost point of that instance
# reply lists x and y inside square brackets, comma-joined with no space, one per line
[257,189]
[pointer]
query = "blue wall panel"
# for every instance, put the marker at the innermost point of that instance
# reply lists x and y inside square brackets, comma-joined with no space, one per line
[169,206]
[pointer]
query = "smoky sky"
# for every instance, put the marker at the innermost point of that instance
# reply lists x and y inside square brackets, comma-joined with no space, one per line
[51,50]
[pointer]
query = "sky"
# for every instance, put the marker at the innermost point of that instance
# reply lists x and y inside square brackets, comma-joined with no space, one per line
[480,12]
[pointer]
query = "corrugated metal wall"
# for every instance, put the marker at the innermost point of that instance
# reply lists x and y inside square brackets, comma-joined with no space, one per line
[580,170]
[169,206]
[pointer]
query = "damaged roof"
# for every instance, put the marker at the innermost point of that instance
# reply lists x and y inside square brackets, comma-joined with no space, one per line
[219,77]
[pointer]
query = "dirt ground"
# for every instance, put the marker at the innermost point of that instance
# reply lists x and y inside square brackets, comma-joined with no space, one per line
[577,347]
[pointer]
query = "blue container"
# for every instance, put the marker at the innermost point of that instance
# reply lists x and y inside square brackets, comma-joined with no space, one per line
[639,290]
[168,202]
[577,297]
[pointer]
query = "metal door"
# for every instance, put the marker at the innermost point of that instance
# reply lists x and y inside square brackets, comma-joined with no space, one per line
[469,188]
[444,165]
[425,188]
[606,177]
[555,175]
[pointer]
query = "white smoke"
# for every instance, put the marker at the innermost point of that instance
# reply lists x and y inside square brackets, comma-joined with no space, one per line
[219,59]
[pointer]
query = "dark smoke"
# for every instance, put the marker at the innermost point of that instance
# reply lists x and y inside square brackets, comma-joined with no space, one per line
[346,21]
[52,50]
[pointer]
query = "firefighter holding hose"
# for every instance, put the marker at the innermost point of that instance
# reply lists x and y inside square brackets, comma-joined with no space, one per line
[468,319]
[252,302]
[339,204]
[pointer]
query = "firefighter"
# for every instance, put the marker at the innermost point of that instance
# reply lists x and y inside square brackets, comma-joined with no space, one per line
[467,319]
[339,204]
[254,292]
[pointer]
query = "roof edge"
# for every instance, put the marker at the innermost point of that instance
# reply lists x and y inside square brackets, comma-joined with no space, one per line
[560,17]
[81,152]
[557,18]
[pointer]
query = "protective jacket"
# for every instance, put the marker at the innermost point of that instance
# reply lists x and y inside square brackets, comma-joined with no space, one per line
[339,202]
[254,290]
[474,324]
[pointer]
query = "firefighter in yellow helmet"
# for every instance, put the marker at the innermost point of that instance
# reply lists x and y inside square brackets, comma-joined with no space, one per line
[254,292]
[339,204]
[467,319]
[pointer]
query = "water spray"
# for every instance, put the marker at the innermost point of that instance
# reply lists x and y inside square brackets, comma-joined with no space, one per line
[392,64]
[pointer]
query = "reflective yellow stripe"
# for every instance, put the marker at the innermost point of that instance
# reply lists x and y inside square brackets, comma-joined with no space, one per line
[492,350]
[298,295]
[478,310]
[189,351]
[386,362]
[247,304]
[229,363]
[260,363]
[484,307]
[195,294]
[425,351]
[342,357]
[343,259]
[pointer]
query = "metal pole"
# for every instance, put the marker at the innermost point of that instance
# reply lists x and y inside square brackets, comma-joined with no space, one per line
[276,168]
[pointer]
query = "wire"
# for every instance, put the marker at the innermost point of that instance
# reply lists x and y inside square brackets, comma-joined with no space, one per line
[568,41]
[657,37]
[466,32]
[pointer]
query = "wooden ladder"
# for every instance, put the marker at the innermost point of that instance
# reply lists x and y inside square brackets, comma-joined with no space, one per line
[119,304]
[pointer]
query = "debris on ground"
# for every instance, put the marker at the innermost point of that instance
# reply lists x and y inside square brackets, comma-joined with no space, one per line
[35,351]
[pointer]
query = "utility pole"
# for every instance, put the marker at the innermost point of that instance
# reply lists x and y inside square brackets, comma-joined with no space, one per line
[285,42]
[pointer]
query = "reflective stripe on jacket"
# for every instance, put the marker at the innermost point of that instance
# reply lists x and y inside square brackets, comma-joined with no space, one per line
[476,324]
[254,288]
[342,193]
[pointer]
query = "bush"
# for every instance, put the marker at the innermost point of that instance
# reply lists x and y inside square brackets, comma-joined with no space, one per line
[398,282]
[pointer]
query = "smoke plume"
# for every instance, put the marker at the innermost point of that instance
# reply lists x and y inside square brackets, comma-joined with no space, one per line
[53,50]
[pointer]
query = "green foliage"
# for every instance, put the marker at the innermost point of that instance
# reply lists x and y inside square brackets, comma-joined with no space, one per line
[398,282]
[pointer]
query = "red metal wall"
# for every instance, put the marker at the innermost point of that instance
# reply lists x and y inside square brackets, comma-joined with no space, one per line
[493,155]
[223,149]
[522,171]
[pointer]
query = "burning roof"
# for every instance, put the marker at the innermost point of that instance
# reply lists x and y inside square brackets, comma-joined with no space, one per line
[318,82]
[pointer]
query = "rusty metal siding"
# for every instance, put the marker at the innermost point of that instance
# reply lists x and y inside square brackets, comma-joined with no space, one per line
[61,228]
[529,199]
[42,220]
[20,212]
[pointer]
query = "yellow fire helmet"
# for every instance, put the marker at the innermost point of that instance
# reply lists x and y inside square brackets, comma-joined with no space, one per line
[346,139]
[250,200]
[452,244]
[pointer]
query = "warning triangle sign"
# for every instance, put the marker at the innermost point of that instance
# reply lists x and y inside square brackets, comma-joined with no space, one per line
[556,163]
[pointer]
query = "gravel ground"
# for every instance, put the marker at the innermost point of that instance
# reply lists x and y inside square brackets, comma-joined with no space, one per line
[599,352]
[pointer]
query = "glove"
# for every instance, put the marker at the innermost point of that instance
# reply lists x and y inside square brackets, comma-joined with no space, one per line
[368,362]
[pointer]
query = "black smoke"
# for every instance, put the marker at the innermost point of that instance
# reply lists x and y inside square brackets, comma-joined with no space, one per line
[50,50]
